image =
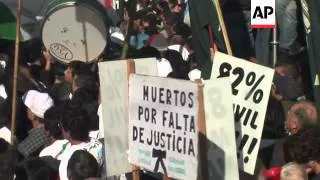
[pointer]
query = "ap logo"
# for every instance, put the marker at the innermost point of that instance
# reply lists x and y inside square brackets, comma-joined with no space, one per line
[263,14]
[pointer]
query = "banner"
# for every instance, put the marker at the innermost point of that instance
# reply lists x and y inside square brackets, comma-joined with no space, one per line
[163,134]
[114,99]
[251,84]
[221,145]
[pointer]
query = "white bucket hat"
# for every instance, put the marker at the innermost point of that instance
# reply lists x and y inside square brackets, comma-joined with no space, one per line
[37,102]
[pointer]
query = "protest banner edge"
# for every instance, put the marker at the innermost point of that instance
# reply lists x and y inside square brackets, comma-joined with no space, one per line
[202,144]
[131,70]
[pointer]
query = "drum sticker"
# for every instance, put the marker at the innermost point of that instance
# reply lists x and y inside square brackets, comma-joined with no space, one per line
[61,52]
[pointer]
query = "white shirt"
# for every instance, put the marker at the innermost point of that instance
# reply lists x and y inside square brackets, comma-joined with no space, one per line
[164,67]
[55,149]
[94,147]
[98,134]
[182,50]
[95,134]
[3,93]
[101,127]
[194,74]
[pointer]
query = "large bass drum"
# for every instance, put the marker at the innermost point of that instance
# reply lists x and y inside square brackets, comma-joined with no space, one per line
[75,30]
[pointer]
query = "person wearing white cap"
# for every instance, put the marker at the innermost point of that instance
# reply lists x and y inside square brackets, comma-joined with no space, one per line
[37,104]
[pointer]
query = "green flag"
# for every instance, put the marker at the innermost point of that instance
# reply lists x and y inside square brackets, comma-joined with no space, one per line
[30,26]
[311,17]
[202,15]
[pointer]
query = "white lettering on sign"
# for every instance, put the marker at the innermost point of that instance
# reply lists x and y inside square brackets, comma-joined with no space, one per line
[250,86]
[114,93]
[221,144]
[163,134]
[263,14]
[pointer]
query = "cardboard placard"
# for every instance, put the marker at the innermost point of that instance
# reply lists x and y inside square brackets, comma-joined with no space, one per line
[221,144]
[146,66]
[114,99]
[250,86]
[163,131]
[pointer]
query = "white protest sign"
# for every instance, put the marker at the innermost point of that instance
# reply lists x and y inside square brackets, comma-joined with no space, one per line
[114,98]
[250,86]
[221,144]
[146,66]
[163,133]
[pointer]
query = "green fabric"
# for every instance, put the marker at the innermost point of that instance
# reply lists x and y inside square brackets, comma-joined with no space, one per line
[202,14]
[7,23]
[313,39]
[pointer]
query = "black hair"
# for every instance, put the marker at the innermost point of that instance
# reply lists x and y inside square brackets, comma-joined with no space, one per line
[88,89]
[8,160]
[164,6]
[173,18]
[4,145]
[173,2]
[146,52]
[34,169]
[78,67]
[140,14]
[182,29]
[85,80]
[304,146]
[51,122]
[86,97]
[180,68]
[151,19]
[75,120]
[82,165]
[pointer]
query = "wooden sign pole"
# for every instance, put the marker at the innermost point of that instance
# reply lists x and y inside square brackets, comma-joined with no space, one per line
[223,27]
[202,159]
[131,70]
[164,177]
[15,74]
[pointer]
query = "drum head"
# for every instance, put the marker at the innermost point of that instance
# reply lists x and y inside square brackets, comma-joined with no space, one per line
[76,32]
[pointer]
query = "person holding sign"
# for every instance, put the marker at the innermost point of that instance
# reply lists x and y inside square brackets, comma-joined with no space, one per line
[76,130]
[82,165]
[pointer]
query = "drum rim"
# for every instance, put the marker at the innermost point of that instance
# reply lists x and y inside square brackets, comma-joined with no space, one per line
[72,4]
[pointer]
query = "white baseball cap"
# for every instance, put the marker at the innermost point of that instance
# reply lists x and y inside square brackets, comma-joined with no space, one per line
[37,102]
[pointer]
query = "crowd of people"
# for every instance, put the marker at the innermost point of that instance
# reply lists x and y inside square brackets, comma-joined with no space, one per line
[59,124]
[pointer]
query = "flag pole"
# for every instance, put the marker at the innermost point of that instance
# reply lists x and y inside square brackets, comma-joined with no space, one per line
[211,38]
[15,73]
[223,27]
[274,45]
[131,12]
